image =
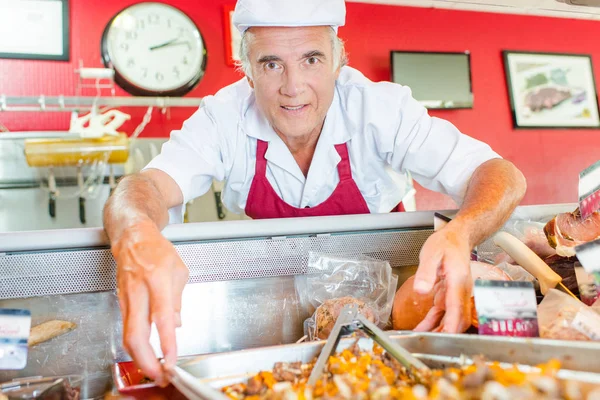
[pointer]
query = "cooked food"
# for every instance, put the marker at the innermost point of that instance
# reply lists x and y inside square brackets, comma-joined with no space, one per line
[410,307]
[328,312]
[48,330]
[356,374]
[567,230]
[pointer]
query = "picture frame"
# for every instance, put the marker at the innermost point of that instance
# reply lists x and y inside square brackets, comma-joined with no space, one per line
[551,90]
[43,27]
[232,37]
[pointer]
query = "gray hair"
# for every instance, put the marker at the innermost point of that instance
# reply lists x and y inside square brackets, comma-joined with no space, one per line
[244,65]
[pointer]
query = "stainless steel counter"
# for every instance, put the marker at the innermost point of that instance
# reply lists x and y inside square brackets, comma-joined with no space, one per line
[241,292]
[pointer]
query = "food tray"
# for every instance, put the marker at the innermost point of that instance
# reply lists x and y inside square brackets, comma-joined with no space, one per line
[579,359]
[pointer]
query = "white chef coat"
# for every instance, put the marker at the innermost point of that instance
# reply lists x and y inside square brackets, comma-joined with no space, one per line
[386,130]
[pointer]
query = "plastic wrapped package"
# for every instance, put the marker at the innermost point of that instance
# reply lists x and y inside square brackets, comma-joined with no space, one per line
[529,232]
[519,274]
[562,317]
[50,388]
[333,281]
[589,291]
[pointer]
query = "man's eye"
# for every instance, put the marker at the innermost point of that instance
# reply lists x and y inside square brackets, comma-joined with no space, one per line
[271,65]
[313,60]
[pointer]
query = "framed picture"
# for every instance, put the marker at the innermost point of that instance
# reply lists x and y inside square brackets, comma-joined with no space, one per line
[36,29]
[232,37]
[551,90]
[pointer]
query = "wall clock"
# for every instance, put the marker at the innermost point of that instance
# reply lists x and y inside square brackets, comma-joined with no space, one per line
[155,50]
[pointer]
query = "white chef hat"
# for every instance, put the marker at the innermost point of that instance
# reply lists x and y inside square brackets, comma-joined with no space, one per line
[250,13]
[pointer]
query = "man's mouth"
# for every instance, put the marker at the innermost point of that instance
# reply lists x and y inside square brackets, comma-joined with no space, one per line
[293,108]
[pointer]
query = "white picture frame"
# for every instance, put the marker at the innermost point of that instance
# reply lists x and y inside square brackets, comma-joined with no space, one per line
[42,26]
[551,90]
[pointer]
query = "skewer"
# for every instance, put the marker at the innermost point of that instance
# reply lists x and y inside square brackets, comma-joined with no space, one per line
[567,291]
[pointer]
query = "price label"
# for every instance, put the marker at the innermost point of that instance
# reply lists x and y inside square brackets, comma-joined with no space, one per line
[506,308]
[14,333]
[589,190]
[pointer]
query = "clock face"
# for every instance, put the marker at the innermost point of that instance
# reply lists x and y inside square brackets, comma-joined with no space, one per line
[155,49]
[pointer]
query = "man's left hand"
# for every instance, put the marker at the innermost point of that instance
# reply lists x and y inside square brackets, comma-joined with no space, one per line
[444,268]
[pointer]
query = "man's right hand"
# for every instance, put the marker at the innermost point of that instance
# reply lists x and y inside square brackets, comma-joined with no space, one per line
[150,280]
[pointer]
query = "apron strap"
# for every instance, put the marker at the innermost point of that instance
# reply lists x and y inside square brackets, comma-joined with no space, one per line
[343,166]
[261,161]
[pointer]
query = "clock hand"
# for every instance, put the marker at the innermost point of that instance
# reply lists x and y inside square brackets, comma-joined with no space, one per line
[171,43]
[164,44]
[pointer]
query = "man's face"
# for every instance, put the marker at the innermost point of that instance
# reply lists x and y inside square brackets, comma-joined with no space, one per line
[293,77]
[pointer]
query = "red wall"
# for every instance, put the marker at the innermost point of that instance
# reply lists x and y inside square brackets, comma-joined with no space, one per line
[550,159]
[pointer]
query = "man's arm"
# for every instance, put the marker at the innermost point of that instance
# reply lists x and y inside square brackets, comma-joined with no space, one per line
[150,274]
[495,189]
[146,196]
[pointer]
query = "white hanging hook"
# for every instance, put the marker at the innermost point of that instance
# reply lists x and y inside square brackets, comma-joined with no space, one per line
[61,102]
[42,101]
[3,102]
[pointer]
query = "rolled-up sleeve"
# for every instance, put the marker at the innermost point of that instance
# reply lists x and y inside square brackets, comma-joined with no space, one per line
[192,156]
[436,153]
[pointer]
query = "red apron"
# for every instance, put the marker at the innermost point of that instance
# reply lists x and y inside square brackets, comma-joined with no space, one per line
[263,202]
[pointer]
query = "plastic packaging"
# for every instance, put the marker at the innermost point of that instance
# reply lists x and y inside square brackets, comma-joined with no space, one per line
[562,317]
[589,291]
[516,272]
[51,388]
[333,281]
[532,234]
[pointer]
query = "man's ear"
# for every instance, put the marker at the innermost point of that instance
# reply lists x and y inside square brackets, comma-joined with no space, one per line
[250,82]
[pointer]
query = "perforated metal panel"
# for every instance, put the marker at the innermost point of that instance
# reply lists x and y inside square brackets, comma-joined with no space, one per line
[78,271]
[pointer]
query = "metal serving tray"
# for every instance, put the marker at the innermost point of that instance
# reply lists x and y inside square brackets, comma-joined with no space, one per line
[579,359]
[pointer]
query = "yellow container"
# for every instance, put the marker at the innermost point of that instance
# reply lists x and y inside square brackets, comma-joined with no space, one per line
[76,151]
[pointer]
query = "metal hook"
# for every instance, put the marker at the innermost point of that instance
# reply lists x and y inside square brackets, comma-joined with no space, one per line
[3,102]
[61,102]
[42,101]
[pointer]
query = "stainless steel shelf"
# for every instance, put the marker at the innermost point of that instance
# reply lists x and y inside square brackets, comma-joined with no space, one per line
[70,103]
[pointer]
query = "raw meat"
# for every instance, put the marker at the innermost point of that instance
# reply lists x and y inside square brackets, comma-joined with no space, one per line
[328,312]
[567,230]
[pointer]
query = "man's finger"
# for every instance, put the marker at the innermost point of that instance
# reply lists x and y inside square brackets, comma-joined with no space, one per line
[162,313]
[431,320]
[180,279]
[122,299]
[429,263]
[137,334]
[458,297]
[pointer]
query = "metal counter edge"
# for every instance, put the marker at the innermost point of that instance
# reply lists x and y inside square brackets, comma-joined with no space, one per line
[225,230]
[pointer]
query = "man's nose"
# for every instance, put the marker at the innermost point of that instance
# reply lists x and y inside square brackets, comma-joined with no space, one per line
[293,82]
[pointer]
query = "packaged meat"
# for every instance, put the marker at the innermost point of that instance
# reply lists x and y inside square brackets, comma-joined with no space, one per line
[562,317]
[588,289]
[410,307]
[333,281]
[516,272]
[532,234]
[49,388]
[328,312]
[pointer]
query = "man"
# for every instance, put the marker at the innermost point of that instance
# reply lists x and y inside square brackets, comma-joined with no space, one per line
[302,135]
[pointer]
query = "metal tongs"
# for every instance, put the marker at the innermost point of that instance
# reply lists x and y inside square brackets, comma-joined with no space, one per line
[350,320]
